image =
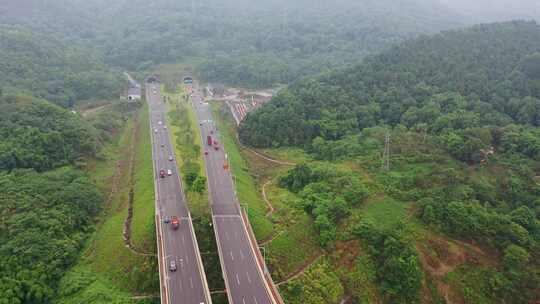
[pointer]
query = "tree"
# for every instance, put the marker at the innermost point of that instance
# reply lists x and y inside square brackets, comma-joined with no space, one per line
[199,185]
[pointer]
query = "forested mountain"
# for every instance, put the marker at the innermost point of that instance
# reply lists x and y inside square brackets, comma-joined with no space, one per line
[45,218]
[457,80]
[263,43]
[238,42]
[36,134]
[52,68]
[462,109]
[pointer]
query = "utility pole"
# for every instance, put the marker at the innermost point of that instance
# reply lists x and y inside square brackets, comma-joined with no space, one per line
[386,153]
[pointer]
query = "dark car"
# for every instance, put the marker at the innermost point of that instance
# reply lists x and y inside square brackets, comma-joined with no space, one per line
[166,220]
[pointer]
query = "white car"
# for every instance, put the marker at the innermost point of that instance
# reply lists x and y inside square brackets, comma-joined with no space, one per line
[165,127]
[155,130]
[160,123]
[169,172]
[172,265]
[170,158]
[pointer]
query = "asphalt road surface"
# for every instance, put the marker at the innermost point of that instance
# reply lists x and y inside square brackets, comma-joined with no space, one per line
[243,277]
[186,285]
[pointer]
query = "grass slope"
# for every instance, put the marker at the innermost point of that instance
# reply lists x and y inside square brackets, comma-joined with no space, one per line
[108,271]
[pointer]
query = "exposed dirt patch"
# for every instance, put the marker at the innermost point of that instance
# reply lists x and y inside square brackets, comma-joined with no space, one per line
[346,253]
[440,256]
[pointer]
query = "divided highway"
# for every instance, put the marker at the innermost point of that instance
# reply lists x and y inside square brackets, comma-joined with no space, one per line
[182,278]
[244,276]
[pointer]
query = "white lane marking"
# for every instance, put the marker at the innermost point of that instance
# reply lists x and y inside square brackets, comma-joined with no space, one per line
[241,255]
[237,279]
[255,299]
[224,216]
[181,285]
[243,300]
[232,257]
[191,282]
[184,240]
[248,278]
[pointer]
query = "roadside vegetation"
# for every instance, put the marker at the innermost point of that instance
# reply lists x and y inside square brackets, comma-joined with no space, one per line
[454,215]
[108,270]
[62,166]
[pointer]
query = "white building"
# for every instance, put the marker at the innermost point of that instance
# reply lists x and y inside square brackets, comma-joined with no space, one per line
[134,93]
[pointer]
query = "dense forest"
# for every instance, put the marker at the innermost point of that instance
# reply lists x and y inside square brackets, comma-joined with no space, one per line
[48,204]
[261,44]
[448,84]
[237,42]
[462,108]
[44,221]
[60,71]
[37,134]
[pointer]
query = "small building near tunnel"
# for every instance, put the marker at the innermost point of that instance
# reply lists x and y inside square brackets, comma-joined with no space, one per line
[134,93]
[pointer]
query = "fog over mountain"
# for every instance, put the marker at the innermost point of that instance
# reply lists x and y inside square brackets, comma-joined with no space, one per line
[494,10]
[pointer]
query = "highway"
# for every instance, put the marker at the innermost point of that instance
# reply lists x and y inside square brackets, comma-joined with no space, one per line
[186,285]
[244,278]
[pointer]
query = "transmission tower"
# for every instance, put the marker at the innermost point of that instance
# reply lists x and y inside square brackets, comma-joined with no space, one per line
[386,153]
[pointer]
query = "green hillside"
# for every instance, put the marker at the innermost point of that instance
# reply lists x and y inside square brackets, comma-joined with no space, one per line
[459,113]
[52,68]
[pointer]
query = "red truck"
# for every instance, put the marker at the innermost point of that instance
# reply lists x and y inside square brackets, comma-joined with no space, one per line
[175,222]
[209,140]
[162,173]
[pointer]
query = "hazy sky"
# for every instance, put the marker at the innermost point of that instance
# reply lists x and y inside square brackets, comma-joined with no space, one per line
[490,10]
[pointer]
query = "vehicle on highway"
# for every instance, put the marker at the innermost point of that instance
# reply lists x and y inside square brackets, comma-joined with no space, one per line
[162,173]
[175,222]
[209,140]
[216,147]
[211,131]
[165,127]
[160,122]
[169,172]
[172,265]
[155,130]
[162,145]
[205,152]
[166,220]
[170,158]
